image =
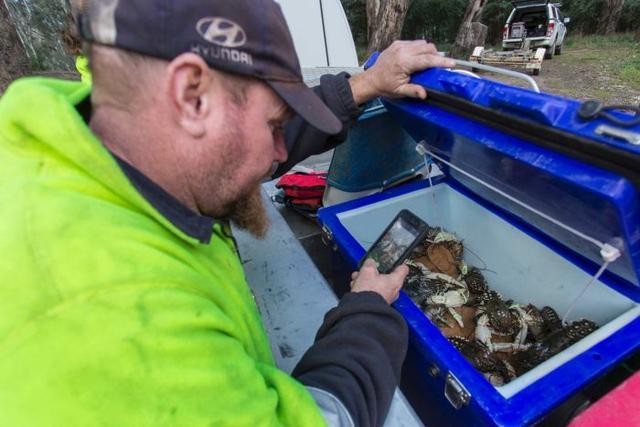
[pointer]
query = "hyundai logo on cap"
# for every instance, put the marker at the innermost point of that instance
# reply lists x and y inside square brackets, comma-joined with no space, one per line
[221,31]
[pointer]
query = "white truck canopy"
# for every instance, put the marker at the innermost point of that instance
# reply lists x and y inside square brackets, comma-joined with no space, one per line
[321,33]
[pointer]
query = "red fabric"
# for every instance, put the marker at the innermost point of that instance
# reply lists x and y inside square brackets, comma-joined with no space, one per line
[621,407]
[303,186]
[313,204]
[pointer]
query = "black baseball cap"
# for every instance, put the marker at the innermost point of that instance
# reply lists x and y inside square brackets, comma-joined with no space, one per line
[247,37]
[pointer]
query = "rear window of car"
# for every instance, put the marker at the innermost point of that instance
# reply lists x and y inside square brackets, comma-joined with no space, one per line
[530,17]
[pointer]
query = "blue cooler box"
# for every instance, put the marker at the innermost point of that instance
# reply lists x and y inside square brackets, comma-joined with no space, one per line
[533,191]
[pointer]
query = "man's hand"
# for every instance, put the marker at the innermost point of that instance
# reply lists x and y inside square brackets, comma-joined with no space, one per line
[389,77]
[387,285]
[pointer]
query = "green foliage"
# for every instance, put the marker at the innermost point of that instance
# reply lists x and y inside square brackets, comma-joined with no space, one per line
[356,11]
[494,16]
[631,71]
[586,14]
[434,20]
[598,42]
[438,20]
[630,16]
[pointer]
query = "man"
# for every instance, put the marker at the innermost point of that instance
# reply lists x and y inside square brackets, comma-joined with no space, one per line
[123,300]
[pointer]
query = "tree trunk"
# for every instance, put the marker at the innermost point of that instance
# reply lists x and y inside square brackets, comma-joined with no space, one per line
[474,11]
[611,11]
[469,35]
[13,59]
[385,19]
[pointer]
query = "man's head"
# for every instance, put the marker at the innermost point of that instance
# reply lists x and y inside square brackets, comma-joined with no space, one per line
[206,92]
[244,37]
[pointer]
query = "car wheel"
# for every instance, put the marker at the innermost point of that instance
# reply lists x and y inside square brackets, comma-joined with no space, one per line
[549,53]
[559,50]
[536,72]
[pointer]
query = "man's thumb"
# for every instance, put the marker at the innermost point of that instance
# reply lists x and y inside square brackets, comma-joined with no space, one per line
[412,91]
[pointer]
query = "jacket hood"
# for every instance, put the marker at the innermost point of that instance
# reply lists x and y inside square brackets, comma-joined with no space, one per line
[40,115]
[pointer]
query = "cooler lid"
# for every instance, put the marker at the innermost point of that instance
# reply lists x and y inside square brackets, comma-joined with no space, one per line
[578,179]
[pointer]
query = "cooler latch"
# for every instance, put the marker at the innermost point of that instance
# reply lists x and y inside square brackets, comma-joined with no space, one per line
[327,238]
[455,392]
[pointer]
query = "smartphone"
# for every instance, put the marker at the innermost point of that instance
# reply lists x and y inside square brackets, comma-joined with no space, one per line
[397,241]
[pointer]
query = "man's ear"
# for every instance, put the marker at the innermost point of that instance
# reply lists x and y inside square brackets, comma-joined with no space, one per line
[189,82]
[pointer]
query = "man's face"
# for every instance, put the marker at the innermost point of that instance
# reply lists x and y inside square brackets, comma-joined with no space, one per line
[259,121]
[249,142]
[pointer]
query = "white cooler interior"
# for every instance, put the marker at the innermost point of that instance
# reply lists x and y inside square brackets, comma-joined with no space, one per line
[519,267]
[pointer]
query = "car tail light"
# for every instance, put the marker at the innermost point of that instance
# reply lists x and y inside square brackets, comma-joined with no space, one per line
[550,26]
[505,32]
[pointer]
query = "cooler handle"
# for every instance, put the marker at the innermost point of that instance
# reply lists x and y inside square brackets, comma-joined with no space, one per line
[497,70]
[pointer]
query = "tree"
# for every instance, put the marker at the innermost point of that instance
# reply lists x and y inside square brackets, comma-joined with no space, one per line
[494,16]
[385,19]
[630,17]
[474,10]
[13,60]
[433,20]
[356,11]
[611,11]
[471,33]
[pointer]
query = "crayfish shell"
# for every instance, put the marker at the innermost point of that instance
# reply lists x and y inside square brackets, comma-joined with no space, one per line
[453,329]
[439,259]
[500,338]
[551,319]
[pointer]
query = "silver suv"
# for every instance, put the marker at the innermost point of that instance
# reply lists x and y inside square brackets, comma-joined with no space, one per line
[538,21]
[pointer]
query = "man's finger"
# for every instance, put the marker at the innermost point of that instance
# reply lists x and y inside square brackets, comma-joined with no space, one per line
[419,63]
[412,91]
[400,273]
[354,275]
[369,263]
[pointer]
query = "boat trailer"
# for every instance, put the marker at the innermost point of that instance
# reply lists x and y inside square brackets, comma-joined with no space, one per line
[529,59]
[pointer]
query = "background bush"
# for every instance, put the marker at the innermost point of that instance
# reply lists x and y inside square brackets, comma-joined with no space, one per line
[438,20]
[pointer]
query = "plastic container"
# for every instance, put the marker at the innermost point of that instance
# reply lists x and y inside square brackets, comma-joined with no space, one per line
[494,140]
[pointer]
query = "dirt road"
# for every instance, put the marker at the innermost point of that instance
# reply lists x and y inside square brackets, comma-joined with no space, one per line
[590,73]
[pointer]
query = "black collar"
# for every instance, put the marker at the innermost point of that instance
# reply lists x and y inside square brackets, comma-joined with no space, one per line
[189,222]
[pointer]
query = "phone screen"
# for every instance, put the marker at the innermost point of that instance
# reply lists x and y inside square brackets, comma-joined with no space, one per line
[393,245]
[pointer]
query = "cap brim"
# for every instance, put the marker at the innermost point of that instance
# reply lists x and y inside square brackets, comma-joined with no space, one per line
[308,105]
